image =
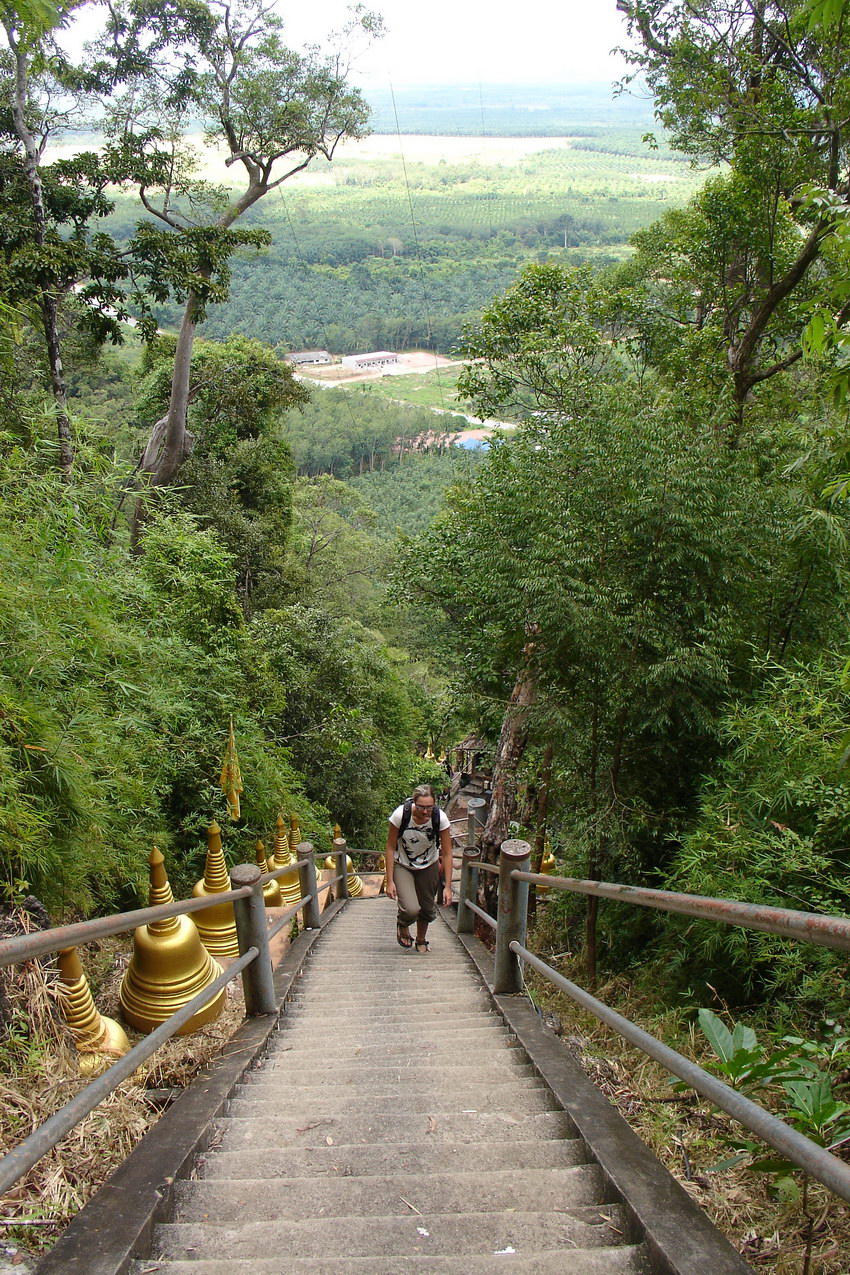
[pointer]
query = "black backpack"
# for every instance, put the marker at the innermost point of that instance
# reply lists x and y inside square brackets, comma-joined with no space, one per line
[407,814]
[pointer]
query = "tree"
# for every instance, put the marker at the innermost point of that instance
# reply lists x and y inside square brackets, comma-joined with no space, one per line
[612,566]
[273,110]
[758,85]
[239,477]
[49,250]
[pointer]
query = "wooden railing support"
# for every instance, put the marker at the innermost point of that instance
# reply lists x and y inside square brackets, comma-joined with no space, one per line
[341,867]
[252,931]
[512,916]
[468,889]
[310,914]
[476,816]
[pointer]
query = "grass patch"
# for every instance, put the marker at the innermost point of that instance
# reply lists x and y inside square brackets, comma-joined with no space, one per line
[437,388]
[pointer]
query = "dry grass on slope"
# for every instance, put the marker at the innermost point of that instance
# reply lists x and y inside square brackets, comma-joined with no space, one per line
[686,1133]
[39,1074]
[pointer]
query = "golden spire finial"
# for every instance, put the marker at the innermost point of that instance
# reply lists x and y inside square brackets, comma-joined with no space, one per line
[216,925]
[96,1037]
[160,892]
[231,776]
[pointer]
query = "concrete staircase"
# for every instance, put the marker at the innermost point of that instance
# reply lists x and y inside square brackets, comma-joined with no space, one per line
[395,1126]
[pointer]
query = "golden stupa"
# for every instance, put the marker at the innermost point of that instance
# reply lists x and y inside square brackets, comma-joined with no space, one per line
[98,1039]
[290,883]
[272,896]
[169,966]
[216,925]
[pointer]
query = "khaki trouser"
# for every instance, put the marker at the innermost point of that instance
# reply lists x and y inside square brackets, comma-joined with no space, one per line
[416,892]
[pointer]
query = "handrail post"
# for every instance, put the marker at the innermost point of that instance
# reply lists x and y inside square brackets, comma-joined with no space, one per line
[310,914]
[512,916]
[252,931]
[468,886]
[341,867]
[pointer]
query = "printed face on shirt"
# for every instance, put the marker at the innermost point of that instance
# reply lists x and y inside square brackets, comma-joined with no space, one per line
[417,842]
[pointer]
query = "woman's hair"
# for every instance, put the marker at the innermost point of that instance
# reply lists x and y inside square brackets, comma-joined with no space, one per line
[424,790]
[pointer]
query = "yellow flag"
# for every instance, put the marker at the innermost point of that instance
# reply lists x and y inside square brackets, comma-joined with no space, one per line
[231,776]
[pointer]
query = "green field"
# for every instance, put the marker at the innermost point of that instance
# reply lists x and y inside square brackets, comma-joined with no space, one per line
[425,389]
[401,241]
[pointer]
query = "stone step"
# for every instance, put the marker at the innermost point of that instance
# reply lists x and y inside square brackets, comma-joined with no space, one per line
[393,1002]
[376,1025]
[275,1129]
[445,1235]
[379,1159]
[631,1260]
[409,1070]
[293,1031]
[255,1099]
[248,1201]
[363,1048]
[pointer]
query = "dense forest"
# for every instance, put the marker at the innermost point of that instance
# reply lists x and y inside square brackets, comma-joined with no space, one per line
[638,598]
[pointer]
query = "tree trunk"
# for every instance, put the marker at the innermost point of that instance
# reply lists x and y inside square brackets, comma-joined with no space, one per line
[540,829]
[170,442]
[509,754]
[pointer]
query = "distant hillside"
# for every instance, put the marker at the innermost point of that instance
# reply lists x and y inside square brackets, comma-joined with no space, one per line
[513,110]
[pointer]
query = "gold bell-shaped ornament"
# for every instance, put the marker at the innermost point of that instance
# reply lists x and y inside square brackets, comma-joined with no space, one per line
[355,885]
[216,925]
[548,867]
[169,966]
[290,882]
[99,1040]
[429,753]
[272,896]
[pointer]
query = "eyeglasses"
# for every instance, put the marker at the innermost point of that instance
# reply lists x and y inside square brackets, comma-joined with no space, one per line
[419,806]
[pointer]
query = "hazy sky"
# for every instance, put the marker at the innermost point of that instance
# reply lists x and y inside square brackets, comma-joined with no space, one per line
[468,41]
[457,41]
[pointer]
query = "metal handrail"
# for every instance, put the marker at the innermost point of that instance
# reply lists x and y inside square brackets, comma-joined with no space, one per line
[511,924]
[824,1166]
[286,916]
[810,927]
[485,916]
[25,947]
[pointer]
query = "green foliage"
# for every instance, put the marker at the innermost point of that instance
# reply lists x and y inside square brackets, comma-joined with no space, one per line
[117,679]
[790,1075]
[346,432]
[772,829]
[347,718]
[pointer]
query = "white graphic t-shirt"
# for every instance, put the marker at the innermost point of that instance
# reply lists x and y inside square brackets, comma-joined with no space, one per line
[417,847]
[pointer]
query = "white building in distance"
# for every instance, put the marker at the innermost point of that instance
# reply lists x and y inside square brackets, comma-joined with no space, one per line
[362,362]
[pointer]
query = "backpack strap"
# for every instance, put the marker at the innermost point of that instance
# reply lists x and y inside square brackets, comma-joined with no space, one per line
[435,823]
[405,816]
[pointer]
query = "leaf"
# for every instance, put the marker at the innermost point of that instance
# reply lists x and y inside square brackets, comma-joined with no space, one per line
[717,1034]
[744,1038]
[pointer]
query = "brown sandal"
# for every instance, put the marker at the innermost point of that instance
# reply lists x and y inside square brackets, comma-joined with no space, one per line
[403,936]
[422,945]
